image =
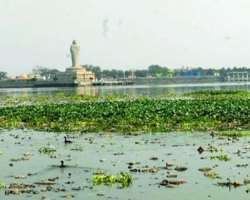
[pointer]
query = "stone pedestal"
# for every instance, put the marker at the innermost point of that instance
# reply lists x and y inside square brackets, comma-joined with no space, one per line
[76,76]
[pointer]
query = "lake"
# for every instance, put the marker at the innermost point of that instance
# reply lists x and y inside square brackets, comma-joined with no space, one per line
[134,90]
[149,158]
[21,162]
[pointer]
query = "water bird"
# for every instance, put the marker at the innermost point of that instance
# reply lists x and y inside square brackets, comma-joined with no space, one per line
[62,164]
[212,134]
[66,140]
[200,150]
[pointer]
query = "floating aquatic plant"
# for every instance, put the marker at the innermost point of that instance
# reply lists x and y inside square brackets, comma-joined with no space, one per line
[123,178]
[212,175]
[77,148]
[205,169]
[141,114]
[213,149]
[234,134]
[2,185]
[47,150]
[221,157]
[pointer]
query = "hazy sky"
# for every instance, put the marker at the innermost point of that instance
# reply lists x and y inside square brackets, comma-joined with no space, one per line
[128,33]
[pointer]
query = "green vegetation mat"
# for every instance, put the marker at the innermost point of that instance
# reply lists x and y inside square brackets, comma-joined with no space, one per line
[220,111]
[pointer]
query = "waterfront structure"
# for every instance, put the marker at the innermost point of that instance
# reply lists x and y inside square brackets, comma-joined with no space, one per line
[22,77]
[238,76]
[76,74]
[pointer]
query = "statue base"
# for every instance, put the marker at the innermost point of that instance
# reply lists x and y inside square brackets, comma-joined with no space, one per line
[76,75]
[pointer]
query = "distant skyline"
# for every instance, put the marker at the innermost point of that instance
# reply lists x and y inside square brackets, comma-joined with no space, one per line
[124,34]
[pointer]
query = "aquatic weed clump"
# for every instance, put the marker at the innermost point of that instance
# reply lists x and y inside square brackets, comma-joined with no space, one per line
[234,134]
[212,174]
[221,157]
[219,94]
[124,179]
[142,114]
[47,150]
[2,185]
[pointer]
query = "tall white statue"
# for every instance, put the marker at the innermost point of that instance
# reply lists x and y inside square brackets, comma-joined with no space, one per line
[75,54]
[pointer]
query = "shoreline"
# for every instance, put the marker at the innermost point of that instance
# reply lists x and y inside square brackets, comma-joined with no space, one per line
[146,85]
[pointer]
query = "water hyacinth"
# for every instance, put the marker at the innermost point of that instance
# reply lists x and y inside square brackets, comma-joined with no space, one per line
[142,114]
[221,157]
[47,150]
[212,174]
[124,179]
[2,185]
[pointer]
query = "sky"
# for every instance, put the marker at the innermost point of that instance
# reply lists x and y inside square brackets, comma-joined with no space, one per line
[124,34]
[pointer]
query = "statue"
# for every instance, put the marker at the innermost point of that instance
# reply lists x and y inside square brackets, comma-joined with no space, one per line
[75,54]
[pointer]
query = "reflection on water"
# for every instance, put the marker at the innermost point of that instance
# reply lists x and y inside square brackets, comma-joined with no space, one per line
[135,90]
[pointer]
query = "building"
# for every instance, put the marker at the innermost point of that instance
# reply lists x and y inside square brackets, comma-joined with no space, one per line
[22,77]
[238,76]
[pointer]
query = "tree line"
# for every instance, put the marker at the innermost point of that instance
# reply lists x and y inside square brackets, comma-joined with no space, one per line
[3,75]
[153,71]
[157,71]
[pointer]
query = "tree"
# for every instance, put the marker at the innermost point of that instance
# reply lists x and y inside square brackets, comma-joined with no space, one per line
[155,70]
[158,71]
[141,73]
[95,69]
[3,75]
[170,73]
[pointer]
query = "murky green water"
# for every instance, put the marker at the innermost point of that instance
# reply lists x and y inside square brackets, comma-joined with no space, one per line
[111,154]
[134,90]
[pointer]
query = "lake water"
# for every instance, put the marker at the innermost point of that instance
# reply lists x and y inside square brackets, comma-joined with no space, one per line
[111,153]
[21,162]
[133,90]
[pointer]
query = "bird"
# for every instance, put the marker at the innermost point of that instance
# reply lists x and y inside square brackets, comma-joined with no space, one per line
[212,134]
[66,140]
[200,150]
[62,164]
